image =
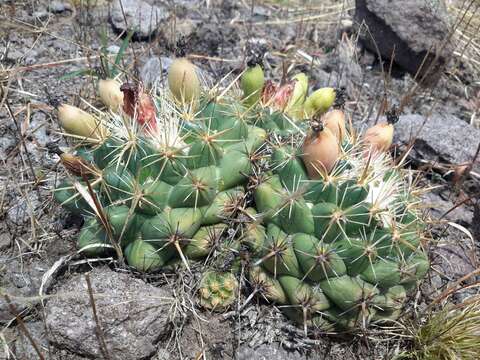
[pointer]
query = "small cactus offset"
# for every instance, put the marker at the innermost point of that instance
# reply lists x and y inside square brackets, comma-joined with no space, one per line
[331,225]
[218,290]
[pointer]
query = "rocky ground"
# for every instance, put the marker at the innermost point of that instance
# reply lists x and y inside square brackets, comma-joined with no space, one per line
[154,317]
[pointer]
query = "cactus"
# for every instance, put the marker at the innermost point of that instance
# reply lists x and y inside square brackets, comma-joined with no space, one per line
[218,290]
[343,243]
[332,229]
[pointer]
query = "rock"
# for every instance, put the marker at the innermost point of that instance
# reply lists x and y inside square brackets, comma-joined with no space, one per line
[349,72]
[133,316]
[14,55]
[412,30]
[57,7]
[454,261]
[444,138]
[438,205]
[476,222]
[217,341]
[5,240]
[19,281]
[141,17]
[38,128]
[7,142]
[268,352]
[186,27]
[113,49]
[320,78]
[154,70]
[23,209]
[23,348]
[40,14]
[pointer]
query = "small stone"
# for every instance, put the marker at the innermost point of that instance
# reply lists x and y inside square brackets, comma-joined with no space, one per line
[40,14]
[154,70]
[5,240]
[141,17]
[7,142]
[57,7]
[346,24]
[113,49]
[14,54]
[23,209]
[38,127]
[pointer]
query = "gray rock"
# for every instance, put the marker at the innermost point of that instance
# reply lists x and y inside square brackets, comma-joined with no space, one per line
[133,316]
[438,205]
[19,281]
[23,209]
[7,142]
[38,128]
[40,14]
[216,344]
[268,352]
[444,138]
[154,70]
[23,348]
[412,30]
[57,7]
[454,260]
[113,49]
[14,54]
[348,62]
[186,27]
[5,240]
[476,222]
[141,17]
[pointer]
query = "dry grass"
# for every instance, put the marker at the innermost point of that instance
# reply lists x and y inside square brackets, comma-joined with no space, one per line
[451,333]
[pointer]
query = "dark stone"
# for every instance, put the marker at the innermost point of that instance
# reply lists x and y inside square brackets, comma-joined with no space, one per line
[412,30]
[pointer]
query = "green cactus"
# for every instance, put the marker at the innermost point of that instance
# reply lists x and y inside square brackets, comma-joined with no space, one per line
[337,251]
[218,290]
[341,238]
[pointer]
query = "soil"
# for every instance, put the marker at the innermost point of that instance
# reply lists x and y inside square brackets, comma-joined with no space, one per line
[41,44]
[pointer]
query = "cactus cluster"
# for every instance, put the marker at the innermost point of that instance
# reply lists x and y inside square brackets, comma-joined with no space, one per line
[163,201]
[334,236]
[340,250]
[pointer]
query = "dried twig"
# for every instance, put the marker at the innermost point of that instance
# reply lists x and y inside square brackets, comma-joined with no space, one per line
[98,328]
[23,328]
